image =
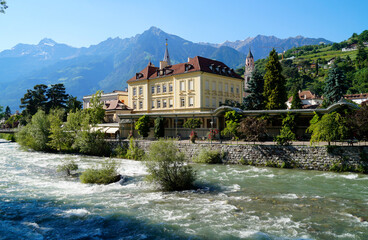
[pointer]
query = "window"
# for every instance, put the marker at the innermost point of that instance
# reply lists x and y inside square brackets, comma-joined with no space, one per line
[207,102]
[153,104]
[164,88]
[226,87]
[170,87]
[164,103]
[190,85]
[134,105]
[232,89]
[220,101]
[171,103]
[213,86]
[237,90]
[182,86]
[140,90]
[153,89]
[140,104]
[134,91]
[220,87]
[158,89]
[158,103]
[182,102]
[214,102]
[207,86]
[191,102]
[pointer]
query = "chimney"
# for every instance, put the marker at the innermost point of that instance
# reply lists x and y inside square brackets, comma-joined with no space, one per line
[189,59]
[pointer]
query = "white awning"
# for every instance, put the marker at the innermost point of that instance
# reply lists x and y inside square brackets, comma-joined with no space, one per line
[112,130]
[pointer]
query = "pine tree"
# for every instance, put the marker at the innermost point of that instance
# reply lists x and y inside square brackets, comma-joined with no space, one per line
[335,86]
[274,85]
[56,96]
[255,99]
[34,100]
[7,113]
[296,103]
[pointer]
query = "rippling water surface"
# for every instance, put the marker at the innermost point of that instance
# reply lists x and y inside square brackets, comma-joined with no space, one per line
[232,202]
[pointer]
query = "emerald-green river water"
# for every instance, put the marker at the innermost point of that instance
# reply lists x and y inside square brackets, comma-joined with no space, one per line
[231,202]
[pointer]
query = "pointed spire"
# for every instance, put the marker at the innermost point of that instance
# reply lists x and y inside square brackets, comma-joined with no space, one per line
[250,55]
[166,56]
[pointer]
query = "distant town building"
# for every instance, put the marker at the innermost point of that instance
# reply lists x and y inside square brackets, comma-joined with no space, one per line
[357,98]
[309,100]
[122,96]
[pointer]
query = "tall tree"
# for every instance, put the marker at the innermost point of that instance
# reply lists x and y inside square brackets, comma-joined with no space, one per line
[72,104]
[34,99]
[335,86]
[296,103]
[274,86]
[7,113]
[255,99]
[56,96]
[96,112]
[362,56]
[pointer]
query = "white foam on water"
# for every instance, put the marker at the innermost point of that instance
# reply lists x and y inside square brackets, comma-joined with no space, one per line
[75,213]
[288,196]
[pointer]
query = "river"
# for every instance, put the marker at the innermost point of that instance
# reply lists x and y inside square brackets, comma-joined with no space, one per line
[231,202]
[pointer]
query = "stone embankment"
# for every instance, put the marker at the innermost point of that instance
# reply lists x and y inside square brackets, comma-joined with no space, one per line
[323,158]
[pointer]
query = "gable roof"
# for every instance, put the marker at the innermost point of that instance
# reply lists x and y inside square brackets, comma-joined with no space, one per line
[193,65]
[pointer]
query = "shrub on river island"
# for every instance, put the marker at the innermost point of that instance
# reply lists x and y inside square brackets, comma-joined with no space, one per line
[104,174]
[168,167]
[68,167]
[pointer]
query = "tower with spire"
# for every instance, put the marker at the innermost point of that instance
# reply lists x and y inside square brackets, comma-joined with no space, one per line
[166,61]
[249,68]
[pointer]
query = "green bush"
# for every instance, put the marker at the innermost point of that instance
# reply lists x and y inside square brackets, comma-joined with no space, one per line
[208,156]
[8,136]
[104,174]
[285,137]
[119,152]
[67,167]
[168,167]
[134,152]
[92,143]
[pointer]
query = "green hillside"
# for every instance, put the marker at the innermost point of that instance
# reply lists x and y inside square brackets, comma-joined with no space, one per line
[307,67]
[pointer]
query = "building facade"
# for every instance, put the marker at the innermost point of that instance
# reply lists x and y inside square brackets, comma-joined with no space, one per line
[193,89]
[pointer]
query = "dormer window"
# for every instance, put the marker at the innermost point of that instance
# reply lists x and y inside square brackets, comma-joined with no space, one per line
[188,67]
[138,75]
[212,67]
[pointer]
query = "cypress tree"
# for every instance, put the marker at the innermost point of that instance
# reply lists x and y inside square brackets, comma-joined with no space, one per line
[335,86]
[274,85]
[296,103]
[255,99]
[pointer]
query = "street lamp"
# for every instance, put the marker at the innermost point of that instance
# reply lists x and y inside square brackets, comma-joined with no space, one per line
[211,131]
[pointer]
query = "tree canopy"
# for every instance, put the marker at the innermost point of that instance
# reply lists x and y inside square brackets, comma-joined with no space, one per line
[335,86]
[274,86]
[255,99]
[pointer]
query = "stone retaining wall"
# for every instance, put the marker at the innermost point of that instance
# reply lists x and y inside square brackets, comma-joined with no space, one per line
[352,158]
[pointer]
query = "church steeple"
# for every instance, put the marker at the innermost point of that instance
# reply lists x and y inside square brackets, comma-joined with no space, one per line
[249,68]
[167,56]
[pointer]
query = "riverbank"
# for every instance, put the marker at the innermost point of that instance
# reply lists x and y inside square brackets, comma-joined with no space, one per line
[322,158]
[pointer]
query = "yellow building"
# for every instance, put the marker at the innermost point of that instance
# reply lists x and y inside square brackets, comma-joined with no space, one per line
[185,90]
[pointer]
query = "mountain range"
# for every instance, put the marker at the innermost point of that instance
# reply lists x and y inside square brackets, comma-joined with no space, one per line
[109,64]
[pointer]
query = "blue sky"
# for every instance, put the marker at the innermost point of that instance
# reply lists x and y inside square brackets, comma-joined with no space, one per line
[85,22]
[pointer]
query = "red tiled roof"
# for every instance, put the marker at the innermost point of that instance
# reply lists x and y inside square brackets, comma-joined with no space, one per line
[115,105]
[195,64]
[356,96]
[303,95]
